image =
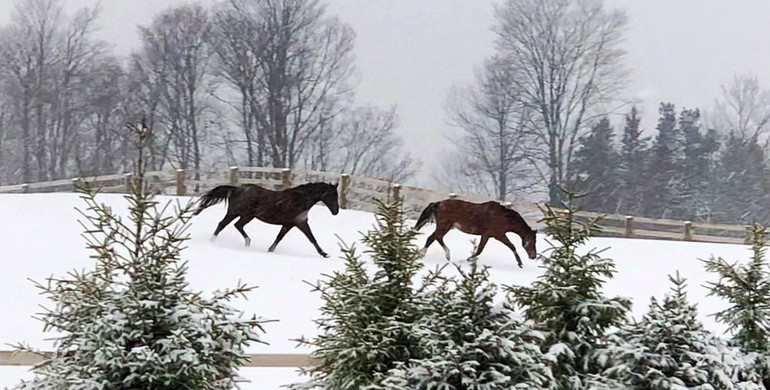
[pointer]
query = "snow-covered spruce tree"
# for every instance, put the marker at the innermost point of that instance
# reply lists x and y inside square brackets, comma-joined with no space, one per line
[670,349]
[367,317]
[746,289]
[470,343]
[566,301]
[132,322]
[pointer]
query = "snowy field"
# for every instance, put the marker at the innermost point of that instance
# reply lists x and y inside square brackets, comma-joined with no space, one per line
[41,237]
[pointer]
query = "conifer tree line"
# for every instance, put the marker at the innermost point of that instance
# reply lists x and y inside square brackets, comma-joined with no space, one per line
[683,170]
[238,82]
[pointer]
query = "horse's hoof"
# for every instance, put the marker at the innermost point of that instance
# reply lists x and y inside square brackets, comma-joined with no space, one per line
[423,252]
[325,255]
[248,242]
[521,265]
[213,237]
[472,258]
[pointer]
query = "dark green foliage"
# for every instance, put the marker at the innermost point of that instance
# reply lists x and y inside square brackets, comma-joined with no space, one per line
[596,168]
[741,183]
[669,348]
[470,343]
[367,318]
[633,156]
[566,301]
[746,288]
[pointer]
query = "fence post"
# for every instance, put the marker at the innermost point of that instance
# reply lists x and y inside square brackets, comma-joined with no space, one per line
[687,231]
[286,177]
[25,188]
[452,196]
[396,191]
[749,234]
[234,176]
[75,183]
[180,186]
[129,178]
[629,226]
[344,185]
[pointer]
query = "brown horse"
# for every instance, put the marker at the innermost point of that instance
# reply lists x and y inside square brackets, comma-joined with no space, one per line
[288,208]
[488,219]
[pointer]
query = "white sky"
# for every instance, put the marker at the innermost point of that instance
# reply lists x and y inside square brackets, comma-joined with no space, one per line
[410,52]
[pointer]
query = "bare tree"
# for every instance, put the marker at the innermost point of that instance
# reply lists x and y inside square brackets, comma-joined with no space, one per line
[495,147]
[303,61]
[46,61]
[362,141]
[174,66]
[238,57]
[744,108]
[572,66]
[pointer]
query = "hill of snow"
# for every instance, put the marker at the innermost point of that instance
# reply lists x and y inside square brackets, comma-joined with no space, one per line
[41,237]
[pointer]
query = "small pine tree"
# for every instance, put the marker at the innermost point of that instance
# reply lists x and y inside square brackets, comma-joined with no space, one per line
[669,348]
[132,323]
[566,301]
[470,343]
[367,319]
[747,289]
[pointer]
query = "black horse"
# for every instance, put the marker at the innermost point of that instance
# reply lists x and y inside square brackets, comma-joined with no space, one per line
[288,207]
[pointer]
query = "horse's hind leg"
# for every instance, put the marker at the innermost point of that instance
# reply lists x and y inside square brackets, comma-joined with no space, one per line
[428,242]
[222,224]
[305,228]
[440,240]
[240,224]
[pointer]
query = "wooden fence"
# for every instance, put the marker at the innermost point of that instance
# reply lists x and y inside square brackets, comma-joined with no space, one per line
[357,193]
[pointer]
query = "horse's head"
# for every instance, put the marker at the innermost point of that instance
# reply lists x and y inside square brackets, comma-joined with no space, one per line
[528,241]
[528,235]
[330,198]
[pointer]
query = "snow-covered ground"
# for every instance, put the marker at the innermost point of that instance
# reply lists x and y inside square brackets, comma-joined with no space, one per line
[40,236]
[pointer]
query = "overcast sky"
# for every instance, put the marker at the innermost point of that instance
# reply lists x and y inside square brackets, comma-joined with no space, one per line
[409,52]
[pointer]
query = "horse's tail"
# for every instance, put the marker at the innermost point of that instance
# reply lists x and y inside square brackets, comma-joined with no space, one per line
[426,215]
[214,196]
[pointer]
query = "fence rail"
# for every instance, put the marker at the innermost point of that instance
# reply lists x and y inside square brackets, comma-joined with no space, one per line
[263,360]
[357,193]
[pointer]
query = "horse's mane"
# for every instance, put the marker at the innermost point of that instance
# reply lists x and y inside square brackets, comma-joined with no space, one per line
[514,217]
[312,187]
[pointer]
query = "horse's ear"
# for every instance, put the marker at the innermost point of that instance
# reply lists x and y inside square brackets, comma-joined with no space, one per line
[336,184]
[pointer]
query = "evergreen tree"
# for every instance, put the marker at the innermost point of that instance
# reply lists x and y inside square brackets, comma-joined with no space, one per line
[634,153]
[747,289]
[662,182]
[596,168]
[670,349]
[132,322]
[470,343]
[367,320]
[566,300]
[742,182]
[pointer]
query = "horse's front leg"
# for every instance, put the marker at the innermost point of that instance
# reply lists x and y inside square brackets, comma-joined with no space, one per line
[284,229]
[305,228]
[502,238]
[480,247]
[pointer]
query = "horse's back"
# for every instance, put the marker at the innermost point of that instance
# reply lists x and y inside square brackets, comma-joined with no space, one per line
[473,218]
